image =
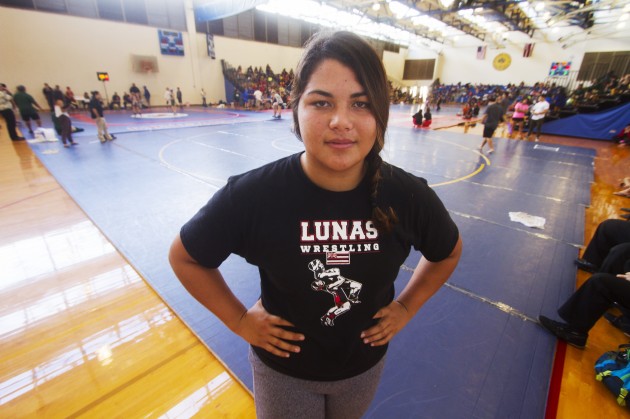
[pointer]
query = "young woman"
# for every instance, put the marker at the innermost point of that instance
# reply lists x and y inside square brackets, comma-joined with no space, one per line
[329,229]
[518,118]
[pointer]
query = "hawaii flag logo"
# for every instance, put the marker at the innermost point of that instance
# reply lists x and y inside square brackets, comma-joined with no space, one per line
[338,258]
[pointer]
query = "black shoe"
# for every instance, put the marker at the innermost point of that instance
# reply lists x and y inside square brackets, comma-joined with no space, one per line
[625,216]
[585,265]
[620,322]
[625,209]
[564,332]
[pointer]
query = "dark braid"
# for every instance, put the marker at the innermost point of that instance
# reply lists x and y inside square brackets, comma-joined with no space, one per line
[384,220]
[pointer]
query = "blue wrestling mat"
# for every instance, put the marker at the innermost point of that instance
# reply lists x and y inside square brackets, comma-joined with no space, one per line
[474,350]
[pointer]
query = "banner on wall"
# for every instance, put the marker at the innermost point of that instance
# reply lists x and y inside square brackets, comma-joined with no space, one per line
[210,39]
[560,68]
[171,42]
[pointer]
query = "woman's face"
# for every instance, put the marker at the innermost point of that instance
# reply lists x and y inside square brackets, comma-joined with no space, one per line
[336,125]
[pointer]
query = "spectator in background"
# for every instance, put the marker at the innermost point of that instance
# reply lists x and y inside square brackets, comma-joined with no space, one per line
[115,102]
[179,98]
[608,255]
[127,102]
[537,118]
[48,94]
[428,118]
[6,110]
[65,124]
[417,119]
[96,111]
[276,104]
[57,95]
[26,105]
[518,118]
[491,119]
[258,95]
[147,96]
[69,98]
[86,100]
[133,90]
[591,301]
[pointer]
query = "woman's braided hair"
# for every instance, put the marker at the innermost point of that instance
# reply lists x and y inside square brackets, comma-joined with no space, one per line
[356,54]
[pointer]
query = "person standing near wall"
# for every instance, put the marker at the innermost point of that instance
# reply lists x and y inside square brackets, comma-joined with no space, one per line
[26,105]
[179,98]
[48,94]
[203,99]
[6,110]
[96,111]
[147,96]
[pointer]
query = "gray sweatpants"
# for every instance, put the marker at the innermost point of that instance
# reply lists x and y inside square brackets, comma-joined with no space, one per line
[278,396]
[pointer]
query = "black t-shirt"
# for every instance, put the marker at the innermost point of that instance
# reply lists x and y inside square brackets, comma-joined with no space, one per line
[495,115]
[323,265]
[95,104]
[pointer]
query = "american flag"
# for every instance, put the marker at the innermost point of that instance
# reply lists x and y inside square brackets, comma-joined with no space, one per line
[481,53]
[338,258]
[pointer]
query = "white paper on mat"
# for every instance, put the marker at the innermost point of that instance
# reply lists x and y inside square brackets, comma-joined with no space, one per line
[528,219]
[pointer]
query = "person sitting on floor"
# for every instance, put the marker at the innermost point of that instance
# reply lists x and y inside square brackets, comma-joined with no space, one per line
[417,119]
[427,118]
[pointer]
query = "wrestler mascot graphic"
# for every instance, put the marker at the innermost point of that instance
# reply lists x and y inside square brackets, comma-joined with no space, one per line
[345,291]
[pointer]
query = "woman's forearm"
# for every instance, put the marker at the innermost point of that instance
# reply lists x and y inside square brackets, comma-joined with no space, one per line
[427,279]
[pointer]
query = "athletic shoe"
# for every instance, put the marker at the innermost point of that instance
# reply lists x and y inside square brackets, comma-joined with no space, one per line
[585,265]
[564,332]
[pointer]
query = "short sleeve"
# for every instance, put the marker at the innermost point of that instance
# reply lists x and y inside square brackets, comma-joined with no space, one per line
[436,232]
[212,234]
